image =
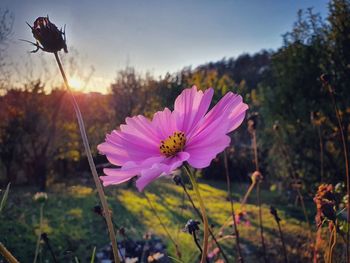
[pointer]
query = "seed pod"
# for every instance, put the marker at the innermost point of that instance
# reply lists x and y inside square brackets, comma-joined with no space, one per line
[48,37]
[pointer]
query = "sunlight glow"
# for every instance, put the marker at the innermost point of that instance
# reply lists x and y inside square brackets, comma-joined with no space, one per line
[76,83]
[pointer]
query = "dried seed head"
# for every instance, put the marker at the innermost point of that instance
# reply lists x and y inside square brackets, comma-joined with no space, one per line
[177,179]
[252,122]
[317,119]
[40,197]
[256,177]
[273,212]
[325,78]
[191,226]
[98,210]
[48,37]
[325,201]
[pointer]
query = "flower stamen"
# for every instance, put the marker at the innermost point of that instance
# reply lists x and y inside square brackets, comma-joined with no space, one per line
[173,144]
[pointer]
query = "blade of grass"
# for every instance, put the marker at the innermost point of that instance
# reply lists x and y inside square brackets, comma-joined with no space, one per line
[4,197]
[93,255]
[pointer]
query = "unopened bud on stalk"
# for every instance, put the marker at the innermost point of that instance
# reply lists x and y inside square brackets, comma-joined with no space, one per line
[273,212]
[177,179]
[191,226]
[325,78]
[252,122]
[48,37]
[256,177]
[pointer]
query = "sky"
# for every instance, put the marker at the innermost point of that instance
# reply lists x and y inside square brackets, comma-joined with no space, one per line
[155,36]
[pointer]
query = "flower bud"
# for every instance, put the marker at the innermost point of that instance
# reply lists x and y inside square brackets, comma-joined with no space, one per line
[191,226]
[273,212]
[49,38]
[252,122]
[40,197]
[256,177]
[325,78]
[177,179]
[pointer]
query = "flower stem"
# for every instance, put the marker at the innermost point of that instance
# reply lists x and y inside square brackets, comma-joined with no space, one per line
[261,221]
[101,194]
[39,234]
[282,240]
[196,241]
[251,187]
[200,216]
[321,153]
[334,243]
[283,244]
[204,214]
[256,161]
[47,242]
[178,253]
[7,254]
[235,228]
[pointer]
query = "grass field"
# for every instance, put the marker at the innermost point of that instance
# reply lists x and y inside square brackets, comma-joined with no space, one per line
[74,229]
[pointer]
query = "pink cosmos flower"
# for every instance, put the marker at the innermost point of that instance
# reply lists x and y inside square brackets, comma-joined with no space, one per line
[149,148]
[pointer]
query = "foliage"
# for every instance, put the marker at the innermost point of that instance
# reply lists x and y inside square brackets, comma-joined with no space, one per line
[292,92]
[74,229]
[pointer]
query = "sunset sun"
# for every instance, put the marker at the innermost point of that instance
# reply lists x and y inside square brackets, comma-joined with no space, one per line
[76,83]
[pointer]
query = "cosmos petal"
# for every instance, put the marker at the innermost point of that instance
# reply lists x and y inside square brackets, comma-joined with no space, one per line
[190,107]
[203,153]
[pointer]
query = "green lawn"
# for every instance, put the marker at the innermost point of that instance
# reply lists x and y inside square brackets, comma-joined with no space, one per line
[75,230]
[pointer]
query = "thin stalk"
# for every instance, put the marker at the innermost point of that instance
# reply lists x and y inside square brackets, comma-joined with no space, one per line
[100,191]
[261,222]
[282,241]
[292,173]
[346,158]
[334,232]
[317,241]
[197,244]
[200,216]
[255,149]
[46,240]
[235,228]
[256,161]
[7,254]
[204,214]
[163,225]
[250,189]
[39,234]
[321,153]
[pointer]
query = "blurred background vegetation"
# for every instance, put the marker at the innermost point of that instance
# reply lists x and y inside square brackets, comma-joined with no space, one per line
[39,135]
[297,131]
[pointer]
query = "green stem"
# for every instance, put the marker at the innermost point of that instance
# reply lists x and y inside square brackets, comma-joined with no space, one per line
[39,234]
[163,225]
[100,191]
[200,216]
[204,214]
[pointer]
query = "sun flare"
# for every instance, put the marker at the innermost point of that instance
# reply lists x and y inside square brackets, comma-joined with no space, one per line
[75,83]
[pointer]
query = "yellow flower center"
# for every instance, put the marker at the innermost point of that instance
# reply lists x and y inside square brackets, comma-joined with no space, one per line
[173,144]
